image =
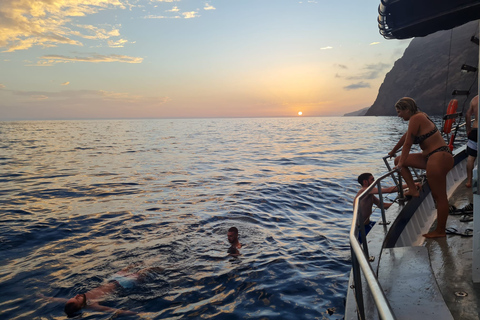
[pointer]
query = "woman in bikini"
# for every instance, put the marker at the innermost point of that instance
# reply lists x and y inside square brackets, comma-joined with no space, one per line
[436,158]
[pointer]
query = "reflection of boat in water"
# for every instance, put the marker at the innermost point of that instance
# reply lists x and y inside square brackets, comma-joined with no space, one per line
[396,273]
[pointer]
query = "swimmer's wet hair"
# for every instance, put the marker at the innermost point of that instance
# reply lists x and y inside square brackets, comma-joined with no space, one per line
[233,229]
[72,309]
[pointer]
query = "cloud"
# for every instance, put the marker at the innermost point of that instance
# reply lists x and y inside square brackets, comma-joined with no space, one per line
[326,48]
[190,14]
[174,9]
[117,44]
[341,66]
[70,104]
[208,7]
[95,32]
[84,94]
[49,60]
[65,83]
[359,85]
[372,71]
[39,97]
[161,17]
[29,23]
[184,15]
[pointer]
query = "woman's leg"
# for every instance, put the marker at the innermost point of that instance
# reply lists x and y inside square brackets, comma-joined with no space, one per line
[438,166]
[414,160]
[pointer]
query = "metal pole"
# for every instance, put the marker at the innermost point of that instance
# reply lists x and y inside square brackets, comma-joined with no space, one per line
[357,286]
[478,106]
[380,198]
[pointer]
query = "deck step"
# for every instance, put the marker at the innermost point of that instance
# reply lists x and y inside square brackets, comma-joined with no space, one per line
[408,281]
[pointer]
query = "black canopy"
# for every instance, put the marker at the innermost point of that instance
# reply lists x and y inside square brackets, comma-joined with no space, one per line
[403,19]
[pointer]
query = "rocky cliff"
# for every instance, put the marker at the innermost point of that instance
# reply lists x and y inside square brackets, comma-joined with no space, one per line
[430,70]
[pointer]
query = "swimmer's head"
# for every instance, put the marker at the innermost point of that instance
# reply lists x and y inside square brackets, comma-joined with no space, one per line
[232,235]
[75,304]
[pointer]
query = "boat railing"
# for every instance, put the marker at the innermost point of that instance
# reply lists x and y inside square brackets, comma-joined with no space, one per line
[360,255]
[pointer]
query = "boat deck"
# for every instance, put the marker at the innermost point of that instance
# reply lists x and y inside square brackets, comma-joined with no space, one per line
[451,261]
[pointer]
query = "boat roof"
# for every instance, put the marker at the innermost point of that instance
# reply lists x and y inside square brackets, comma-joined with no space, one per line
[403,19]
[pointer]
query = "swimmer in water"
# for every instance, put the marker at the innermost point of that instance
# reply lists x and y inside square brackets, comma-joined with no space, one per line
[232,236]
[90,299]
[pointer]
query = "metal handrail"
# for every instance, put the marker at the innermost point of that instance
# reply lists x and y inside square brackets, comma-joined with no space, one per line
[360,256]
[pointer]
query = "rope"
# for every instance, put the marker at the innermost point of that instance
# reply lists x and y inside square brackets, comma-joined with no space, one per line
[448,73]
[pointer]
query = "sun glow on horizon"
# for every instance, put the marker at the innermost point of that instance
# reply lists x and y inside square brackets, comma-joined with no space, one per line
[300,113]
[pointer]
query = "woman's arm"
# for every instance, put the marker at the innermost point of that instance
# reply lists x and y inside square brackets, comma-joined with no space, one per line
[397,146]
[52,298]
[413,128]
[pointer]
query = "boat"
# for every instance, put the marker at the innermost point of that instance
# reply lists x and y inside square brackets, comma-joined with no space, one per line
[396,272]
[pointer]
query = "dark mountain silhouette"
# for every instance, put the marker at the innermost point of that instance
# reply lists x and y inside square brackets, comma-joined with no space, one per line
[360,112]
[430,70]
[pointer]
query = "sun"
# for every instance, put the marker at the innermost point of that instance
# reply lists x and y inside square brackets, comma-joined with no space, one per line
[300,113]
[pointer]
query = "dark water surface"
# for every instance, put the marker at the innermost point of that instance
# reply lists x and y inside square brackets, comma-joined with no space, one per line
[81,200]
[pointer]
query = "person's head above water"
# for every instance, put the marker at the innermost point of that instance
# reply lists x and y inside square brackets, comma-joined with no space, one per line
[365,179]
[75,305]
[232,235]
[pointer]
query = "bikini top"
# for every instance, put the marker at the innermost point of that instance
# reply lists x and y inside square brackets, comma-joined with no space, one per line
[419,139]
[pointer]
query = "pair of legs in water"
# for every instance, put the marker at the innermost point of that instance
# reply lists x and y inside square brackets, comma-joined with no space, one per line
[437,165]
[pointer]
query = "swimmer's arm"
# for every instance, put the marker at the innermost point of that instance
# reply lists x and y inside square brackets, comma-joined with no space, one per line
[52,298]
[98,307]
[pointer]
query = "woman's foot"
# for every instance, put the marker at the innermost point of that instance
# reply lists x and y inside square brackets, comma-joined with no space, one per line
[468,184]
[412,193]
[435,234]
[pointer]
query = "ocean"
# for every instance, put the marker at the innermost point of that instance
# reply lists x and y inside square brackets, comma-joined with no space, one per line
[81,200]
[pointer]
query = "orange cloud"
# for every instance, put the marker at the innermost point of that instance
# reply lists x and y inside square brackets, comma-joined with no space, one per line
[28,23]
[49,60]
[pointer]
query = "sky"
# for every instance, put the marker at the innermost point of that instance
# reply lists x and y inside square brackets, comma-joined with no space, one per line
[109,59]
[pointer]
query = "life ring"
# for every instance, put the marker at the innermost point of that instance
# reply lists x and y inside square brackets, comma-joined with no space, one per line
[452,108]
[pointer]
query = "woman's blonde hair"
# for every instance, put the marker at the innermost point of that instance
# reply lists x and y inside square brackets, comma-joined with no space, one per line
[407,103]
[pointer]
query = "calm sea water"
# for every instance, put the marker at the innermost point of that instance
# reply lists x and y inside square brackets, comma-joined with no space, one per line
[81,200]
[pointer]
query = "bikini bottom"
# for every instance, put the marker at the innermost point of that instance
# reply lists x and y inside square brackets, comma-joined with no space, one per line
[441,149]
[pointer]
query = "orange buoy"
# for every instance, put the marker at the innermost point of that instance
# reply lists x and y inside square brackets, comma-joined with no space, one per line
[452,108]
[450,144]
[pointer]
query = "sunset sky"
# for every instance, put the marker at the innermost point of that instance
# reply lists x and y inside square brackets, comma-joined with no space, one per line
[88,59]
